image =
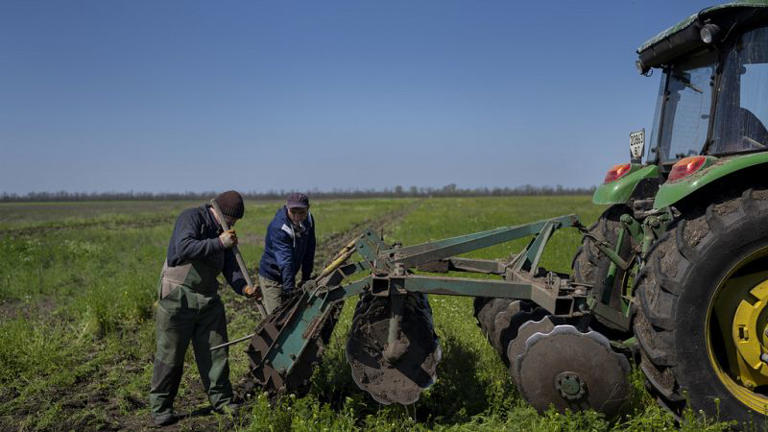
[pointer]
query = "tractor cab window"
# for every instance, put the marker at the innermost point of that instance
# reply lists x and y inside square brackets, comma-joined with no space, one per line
[653,147]
[687,100]
[742,103]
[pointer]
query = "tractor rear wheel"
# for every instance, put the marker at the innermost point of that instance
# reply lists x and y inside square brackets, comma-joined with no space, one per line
[702,324]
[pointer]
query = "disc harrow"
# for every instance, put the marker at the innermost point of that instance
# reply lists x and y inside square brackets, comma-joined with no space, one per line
[392,347]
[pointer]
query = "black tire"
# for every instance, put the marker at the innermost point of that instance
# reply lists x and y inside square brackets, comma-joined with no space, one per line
[508,322]
[501,318]
[679,326]
[486,309]
[590,266]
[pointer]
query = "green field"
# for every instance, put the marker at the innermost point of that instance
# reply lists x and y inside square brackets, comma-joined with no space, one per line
[78,281]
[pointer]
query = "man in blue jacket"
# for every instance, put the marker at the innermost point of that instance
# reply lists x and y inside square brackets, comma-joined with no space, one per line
[288,247]
[189,308]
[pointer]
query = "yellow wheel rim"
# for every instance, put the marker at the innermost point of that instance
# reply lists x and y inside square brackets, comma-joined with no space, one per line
[737,337]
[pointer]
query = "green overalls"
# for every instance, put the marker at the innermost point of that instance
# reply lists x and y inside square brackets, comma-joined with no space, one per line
[189,308]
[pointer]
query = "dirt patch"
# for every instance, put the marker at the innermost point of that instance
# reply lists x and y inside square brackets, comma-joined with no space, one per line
[252,239]
[89,405]
[11,309]
[332,244]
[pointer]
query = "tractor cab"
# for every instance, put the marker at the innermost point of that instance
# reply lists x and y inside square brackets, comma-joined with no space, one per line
[713,96]
[711,116]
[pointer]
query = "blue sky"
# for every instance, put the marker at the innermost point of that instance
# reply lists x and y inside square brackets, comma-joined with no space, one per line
[177,96]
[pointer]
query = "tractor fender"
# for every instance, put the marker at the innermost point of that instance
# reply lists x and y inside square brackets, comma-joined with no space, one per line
[620,191]
[672,192]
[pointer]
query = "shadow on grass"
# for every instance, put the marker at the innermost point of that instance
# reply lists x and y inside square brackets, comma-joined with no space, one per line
[462,389]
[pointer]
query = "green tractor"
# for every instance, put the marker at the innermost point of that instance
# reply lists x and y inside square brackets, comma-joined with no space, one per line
[692,222]
[674,273]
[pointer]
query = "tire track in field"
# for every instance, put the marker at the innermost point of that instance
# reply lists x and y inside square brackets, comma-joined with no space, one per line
[384,223]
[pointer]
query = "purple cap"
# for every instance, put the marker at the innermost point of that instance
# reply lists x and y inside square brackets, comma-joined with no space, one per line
[297,200]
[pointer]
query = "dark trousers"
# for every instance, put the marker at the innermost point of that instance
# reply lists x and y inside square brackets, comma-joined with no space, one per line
[183,316]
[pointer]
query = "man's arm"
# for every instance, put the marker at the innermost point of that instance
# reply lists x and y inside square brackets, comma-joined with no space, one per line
[188,244]
[309,256]
[282,244]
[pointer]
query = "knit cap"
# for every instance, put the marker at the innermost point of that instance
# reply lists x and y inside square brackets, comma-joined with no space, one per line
[231,204]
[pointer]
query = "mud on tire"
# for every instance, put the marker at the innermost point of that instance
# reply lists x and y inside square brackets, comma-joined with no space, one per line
[683,348]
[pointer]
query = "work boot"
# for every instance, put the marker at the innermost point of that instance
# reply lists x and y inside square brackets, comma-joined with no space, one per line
[164,419]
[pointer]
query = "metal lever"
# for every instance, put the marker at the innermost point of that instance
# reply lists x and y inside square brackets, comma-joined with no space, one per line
[238,256]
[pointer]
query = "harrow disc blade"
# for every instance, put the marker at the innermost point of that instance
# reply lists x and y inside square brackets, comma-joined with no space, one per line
[500,319]
[486,310]
[507,323]
[517,346]
[413,360]
[573,370]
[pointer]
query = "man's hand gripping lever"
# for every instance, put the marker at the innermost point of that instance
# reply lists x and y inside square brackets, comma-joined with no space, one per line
[229,237]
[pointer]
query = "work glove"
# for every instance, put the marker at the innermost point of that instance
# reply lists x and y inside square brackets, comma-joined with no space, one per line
[308,285]
[253,292]
[228,239]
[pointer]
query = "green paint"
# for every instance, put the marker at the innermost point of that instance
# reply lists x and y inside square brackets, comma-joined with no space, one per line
[612,270]
[427,252]
[633,226]
[619,191]
[682,25]
[536,248]
[672,192]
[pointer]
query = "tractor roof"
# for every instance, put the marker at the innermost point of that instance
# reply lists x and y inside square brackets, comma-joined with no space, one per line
[683,37]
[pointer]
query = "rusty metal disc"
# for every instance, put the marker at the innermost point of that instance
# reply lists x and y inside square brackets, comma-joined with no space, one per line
[507,324]
[573,370]
[517,346]
[418,352]
[486,309]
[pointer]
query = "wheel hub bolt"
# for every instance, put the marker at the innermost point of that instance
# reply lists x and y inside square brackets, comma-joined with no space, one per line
[570,386]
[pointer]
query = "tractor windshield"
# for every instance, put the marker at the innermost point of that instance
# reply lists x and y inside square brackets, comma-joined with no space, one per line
[682,123]
[741,112]
[686,99]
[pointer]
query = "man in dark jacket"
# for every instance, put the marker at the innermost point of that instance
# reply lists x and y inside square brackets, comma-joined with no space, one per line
[288,247]
[189,307]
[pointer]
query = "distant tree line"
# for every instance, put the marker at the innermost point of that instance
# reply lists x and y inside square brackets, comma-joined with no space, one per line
[450,190]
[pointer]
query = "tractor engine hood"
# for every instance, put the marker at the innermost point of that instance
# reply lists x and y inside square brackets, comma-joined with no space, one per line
[731,20]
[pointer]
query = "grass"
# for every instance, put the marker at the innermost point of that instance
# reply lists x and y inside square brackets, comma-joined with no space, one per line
[78,280]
